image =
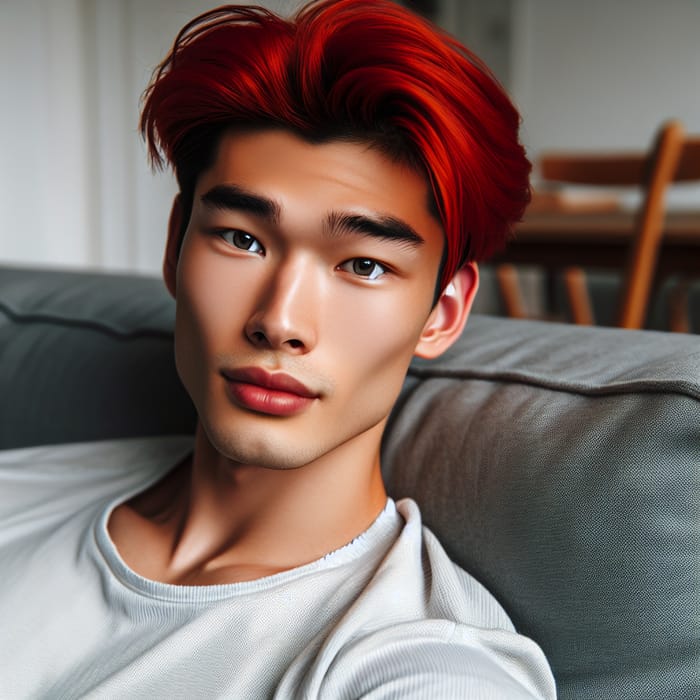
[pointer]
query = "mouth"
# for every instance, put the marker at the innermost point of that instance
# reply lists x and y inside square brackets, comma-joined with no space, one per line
[277,394]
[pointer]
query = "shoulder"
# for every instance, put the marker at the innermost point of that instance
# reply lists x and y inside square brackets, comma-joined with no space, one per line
[103,454]
[67,477]
[425,628]
[440,659]
[450,592]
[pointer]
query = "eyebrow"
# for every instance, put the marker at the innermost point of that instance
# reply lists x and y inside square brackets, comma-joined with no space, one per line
[235,198]
[383,227]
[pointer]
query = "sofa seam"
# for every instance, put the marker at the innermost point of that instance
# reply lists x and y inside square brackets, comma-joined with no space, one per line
[27,319]
[635,386]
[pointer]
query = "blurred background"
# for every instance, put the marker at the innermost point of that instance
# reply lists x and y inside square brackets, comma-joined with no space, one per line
[75,187]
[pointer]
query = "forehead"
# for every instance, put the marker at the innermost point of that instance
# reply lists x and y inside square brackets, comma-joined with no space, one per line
[350,175]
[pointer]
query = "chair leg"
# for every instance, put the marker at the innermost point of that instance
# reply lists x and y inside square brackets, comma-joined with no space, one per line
[678,316]
[509,286]
[578,296]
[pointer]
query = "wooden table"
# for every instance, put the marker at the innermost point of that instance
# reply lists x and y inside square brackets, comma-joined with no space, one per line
[601,239]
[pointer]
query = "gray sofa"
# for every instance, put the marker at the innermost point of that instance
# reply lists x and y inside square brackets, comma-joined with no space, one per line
[560,465]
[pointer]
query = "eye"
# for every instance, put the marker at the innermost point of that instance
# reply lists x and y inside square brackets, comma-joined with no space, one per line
[364,267]
[242,240]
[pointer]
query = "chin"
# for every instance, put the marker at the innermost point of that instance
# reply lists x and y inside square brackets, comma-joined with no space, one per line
[257,451]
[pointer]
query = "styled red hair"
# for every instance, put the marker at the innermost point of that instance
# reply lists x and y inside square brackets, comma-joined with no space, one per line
[358,69]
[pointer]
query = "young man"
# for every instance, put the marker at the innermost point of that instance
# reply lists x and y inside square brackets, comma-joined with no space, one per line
[339,175]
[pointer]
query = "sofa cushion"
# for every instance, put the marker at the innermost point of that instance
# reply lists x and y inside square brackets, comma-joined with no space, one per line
[561,465]
[86,356]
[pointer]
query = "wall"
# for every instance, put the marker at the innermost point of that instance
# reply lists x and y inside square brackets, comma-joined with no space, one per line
[75,188]
[44,173]
[601,74]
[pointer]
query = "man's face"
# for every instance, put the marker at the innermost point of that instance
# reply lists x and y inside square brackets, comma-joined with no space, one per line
[304,282]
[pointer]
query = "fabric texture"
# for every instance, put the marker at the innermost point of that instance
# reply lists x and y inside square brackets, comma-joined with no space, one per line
[560,465]
[87,356]
[576,499]
[387,615]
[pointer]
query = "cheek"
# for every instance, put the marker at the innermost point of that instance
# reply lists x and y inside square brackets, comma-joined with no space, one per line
[376,344]
[208,312]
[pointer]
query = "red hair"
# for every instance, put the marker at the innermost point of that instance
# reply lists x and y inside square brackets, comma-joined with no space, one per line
[361,69]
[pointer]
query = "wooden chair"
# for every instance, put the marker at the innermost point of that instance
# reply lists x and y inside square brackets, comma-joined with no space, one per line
[688,170]
[668,160]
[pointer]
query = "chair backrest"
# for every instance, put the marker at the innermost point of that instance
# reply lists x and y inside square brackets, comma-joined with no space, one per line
[689,163]
[668,160]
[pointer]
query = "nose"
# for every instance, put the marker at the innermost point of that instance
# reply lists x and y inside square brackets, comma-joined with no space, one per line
[285,317]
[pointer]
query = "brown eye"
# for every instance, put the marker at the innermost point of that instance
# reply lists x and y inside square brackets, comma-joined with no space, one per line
[242,240]
[365,267]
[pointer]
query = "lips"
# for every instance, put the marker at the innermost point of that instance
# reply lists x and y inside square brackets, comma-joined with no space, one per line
[276,393]
[276,382]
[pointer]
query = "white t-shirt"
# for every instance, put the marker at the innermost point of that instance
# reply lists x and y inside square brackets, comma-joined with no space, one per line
[386,616]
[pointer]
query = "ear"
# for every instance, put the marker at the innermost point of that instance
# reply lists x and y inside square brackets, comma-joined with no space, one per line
[172,246]
[447,319]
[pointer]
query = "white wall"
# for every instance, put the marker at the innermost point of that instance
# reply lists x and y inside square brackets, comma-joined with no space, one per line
[75,189]
[602,73]
[44,173]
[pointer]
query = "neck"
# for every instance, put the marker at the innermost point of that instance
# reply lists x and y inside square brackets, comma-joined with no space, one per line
[223,521]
